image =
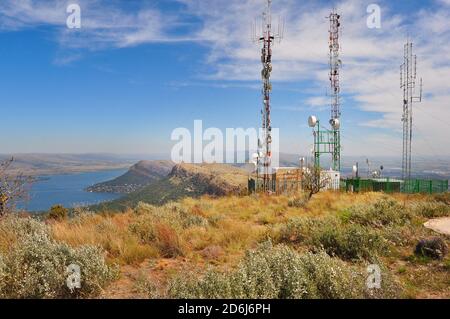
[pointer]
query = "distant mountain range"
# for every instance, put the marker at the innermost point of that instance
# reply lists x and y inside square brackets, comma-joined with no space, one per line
[51,164]
[159,181]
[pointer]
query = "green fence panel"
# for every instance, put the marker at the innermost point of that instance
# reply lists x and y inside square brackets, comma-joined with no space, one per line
[412,186]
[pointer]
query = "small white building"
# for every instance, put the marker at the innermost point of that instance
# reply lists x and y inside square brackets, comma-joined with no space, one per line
[333,177]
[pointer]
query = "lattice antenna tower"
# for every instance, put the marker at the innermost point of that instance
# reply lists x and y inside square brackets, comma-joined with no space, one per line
[335,66]
[266,38]
[408,76]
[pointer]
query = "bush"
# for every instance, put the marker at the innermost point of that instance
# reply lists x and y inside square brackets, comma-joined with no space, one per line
[144,228]
[390,288]
[276,272]
[384,212]
[58,212]
[172,213]
[168,241]
[349,242]
[299,229]
[161,226]
[3,274]
[160,233]
[36,265]
[332,278]
[146,287]
[298,202]
[442,198]
[14,226]
[431,209]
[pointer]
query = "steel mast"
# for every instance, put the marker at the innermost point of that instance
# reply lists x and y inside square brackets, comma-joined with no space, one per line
[408,76]
[267,39]
[335,65]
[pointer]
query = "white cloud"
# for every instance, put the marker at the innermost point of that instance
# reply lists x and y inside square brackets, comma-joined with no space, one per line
[444,2]
[104,24]
[371,57]
[371,60]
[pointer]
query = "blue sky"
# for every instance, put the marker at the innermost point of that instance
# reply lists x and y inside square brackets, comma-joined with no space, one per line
[136,70]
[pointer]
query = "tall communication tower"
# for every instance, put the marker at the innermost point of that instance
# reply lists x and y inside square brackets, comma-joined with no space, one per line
[335,65]
[408,76]
[267,38]
[328,141]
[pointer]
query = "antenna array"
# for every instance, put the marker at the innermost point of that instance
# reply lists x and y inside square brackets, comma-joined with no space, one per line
[328,141]
[267,38]
[335,65]
[408,76]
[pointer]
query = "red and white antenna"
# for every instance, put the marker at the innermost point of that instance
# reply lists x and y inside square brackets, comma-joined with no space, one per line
[335,66]
[267,38]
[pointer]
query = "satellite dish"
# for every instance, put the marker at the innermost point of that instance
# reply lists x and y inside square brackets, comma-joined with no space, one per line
[312,121]
[254,160]
[335,124]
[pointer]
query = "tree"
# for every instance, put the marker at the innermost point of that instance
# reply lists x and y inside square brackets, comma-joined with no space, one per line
[13,188]
[314,181]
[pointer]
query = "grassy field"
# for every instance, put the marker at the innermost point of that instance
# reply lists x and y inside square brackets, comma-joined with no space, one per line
[252,247]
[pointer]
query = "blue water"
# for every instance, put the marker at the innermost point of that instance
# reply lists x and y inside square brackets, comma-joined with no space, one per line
[69,190]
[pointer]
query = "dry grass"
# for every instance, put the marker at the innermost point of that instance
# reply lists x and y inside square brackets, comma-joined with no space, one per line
[109,232]
[234,225]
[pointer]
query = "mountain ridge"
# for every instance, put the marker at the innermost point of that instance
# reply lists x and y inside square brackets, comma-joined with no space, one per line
[138,176]
[185,180]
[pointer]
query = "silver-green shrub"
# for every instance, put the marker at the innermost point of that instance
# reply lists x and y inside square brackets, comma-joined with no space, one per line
[171,214]
[36,265]
[349,242]
[337,238]
[431,209]
[3,273]
[384,212]
[301,229]
[277,272]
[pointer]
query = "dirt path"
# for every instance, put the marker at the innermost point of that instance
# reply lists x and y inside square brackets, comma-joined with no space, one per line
[440,225]
[155,271]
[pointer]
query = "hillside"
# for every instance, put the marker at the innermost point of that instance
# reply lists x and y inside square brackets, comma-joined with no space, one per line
[251,247]
[137,177]
[186,180]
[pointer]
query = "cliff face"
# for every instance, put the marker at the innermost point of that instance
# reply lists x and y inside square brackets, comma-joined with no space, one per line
[188,180]
[213,179]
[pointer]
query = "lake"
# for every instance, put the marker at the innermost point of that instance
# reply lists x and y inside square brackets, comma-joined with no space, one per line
[69,190]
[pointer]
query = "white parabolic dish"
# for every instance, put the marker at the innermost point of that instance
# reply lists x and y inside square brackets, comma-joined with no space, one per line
[312,121]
